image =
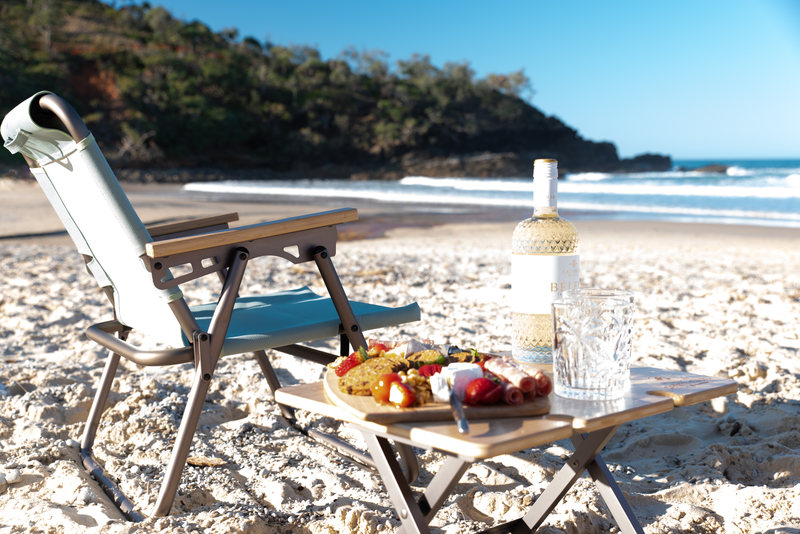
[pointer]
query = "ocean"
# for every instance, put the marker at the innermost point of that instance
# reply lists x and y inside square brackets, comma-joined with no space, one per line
[750,192]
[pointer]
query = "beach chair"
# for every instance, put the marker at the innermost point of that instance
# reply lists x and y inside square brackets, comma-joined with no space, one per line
[133,267]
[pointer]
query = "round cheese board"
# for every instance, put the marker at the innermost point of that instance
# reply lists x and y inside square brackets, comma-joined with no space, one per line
[365,408]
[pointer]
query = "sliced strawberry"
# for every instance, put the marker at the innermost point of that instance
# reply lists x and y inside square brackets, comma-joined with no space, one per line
[346,366]
[348,363]
[482,391]
[430,369]
[401,395]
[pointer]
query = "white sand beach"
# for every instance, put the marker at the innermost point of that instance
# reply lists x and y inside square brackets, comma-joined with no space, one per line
[715,300]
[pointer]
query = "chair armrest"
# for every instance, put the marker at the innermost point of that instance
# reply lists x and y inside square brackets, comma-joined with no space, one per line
[168,247]
[193,224]
[101,334]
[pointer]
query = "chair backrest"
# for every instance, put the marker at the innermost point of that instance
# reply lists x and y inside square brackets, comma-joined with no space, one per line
[98,216]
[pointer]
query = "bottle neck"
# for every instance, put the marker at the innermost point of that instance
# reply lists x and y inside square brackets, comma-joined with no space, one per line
[545,197]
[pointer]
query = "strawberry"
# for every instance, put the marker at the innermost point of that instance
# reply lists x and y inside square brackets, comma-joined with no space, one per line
[482,391]
[401,395]
[430,369]
[346,364]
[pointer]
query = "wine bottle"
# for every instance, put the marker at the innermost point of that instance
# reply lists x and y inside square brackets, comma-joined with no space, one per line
[544,262]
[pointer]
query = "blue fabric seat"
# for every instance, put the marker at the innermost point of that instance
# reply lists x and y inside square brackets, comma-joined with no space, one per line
[294,316]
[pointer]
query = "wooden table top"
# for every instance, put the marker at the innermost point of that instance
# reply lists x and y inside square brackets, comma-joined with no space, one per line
[651,391]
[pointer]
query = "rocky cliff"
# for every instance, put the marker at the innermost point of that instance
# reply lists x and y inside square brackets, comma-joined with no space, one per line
[159,92]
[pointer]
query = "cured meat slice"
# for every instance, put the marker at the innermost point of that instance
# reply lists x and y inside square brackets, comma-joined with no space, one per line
[543,384]
[511,395]
[509,371]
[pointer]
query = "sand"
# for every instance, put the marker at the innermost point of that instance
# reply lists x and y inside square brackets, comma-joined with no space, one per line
[722,301]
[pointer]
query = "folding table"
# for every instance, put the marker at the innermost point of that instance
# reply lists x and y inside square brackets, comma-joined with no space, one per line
[588,424]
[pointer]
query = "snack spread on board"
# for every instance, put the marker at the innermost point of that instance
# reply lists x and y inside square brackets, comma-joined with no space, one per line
[413,373]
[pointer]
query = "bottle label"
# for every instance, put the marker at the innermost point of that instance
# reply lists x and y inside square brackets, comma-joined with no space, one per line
[545,193]
[538,279]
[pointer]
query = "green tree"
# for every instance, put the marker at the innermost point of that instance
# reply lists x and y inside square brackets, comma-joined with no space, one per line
[514,83]
[45,17]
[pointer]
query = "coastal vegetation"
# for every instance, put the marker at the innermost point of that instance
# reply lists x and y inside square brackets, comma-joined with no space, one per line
[157,91]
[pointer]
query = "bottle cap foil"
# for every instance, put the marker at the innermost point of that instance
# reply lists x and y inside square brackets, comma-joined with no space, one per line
[545,168]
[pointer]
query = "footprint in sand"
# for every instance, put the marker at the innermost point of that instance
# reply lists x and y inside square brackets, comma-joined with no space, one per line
[655,446]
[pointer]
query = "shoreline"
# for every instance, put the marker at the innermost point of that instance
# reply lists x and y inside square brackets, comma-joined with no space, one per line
[26,216]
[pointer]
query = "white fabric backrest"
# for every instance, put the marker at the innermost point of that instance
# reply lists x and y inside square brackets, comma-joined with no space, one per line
[100,219]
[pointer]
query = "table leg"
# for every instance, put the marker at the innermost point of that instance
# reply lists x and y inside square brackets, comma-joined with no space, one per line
[612,495]
[584,455]
[414,516]
[441,486]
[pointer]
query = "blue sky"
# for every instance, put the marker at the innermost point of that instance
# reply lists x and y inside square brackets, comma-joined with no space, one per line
[693,79]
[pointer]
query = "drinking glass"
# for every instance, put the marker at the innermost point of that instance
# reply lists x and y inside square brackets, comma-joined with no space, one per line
[590,347]
[598,292]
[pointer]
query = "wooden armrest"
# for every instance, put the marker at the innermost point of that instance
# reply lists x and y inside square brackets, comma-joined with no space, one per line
[168,247]
[193,224]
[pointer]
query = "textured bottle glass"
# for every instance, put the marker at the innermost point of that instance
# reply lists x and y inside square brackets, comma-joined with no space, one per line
[544,234]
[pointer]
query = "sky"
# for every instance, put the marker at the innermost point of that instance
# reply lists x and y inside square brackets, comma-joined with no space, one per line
[686,78]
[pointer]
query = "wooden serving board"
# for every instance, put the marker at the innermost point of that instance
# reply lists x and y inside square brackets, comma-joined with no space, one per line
[366,409]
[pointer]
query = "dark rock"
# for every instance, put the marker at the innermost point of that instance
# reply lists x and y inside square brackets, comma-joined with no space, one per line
[641,163]
[648,163]
[520,164]
[713,168]
[480,165]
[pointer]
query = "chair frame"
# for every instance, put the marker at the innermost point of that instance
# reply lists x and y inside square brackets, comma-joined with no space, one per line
[229,250]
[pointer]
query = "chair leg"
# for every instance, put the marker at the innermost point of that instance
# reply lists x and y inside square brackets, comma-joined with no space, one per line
[183,442]
[409,460]
[353,331]
[208,348]
[349,321]
[103,389]
[272,381]
[99,403]
[90,432]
